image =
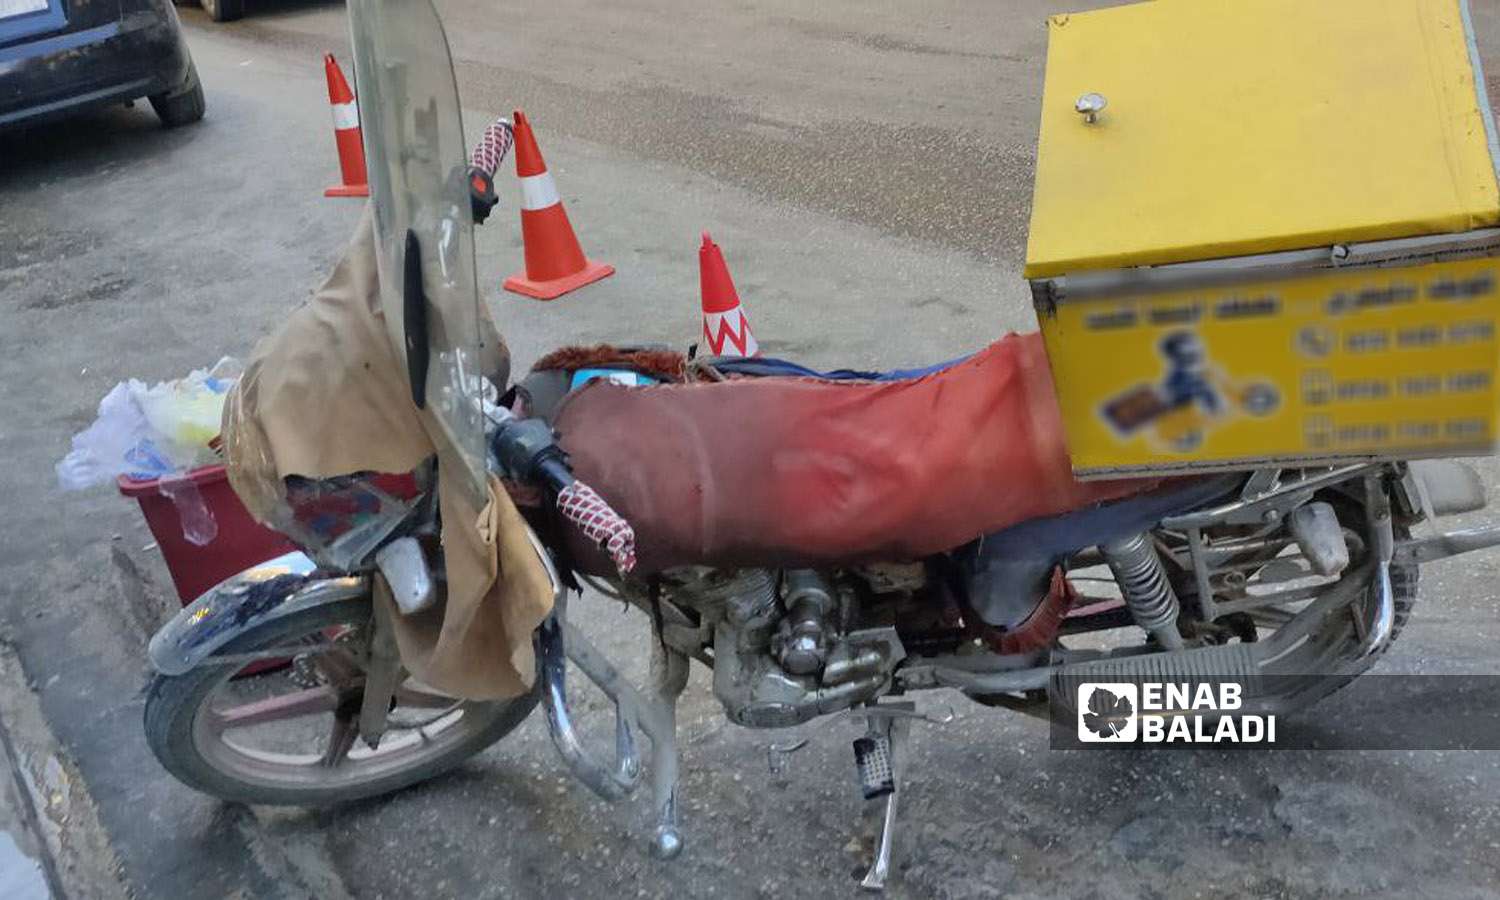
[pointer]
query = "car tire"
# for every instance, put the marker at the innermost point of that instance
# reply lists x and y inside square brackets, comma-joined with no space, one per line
[223,10]
[182,106]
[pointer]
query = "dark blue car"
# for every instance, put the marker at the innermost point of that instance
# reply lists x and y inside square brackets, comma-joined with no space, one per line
[59,56]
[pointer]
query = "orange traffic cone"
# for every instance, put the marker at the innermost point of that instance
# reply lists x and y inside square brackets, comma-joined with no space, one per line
[555,264]
[726,330]
[346,134]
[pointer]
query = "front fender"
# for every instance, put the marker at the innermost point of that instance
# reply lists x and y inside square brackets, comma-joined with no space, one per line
[272,590]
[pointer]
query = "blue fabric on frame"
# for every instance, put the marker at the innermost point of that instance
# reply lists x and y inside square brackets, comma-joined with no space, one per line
[764,367]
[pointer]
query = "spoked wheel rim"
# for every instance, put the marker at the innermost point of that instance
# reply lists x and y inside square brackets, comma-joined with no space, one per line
[266,730]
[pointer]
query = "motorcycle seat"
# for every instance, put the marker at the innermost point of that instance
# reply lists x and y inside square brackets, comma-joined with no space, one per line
[815,471]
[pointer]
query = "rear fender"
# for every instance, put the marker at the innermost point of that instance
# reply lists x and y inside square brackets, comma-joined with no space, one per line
[1442,487]
[272,590]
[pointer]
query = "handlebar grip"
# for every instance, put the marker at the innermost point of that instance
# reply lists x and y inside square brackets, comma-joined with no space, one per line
[484,162]
[582,505]
[492,147]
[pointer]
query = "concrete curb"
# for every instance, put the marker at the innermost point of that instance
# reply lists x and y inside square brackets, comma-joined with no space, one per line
[45,803]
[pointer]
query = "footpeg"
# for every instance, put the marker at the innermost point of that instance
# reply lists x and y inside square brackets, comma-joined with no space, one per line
[872,758]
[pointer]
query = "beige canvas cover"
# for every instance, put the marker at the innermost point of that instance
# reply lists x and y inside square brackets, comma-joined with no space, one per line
[326,395]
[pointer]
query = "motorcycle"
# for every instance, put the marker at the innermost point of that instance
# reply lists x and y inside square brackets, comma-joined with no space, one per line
[1290,582]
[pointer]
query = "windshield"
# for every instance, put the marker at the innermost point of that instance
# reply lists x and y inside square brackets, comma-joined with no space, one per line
[417,164]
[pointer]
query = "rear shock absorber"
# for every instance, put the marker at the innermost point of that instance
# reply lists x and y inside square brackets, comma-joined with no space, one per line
[1143,582]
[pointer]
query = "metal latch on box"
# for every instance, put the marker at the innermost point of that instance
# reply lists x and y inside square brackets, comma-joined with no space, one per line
[1047,292]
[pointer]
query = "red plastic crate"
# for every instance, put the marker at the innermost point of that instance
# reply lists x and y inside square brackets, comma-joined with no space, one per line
[239,542]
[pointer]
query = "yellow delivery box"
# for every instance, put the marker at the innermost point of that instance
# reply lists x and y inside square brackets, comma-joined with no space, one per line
[1264,231]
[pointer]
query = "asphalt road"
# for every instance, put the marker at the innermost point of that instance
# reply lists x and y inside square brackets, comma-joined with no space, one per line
[866,167]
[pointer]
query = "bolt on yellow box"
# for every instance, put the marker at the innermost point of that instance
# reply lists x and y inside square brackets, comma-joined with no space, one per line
[1264,231]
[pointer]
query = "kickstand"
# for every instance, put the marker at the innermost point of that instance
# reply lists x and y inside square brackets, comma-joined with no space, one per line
[893,731]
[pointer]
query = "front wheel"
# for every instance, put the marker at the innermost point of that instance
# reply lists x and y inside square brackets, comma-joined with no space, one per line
[290,737]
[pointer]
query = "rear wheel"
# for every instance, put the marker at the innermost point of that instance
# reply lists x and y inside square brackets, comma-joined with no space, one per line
[1330,655]
[1259,592]
[290,737]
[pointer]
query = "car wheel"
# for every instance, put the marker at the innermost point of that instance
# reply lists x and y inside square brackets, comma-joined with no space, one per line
[181,106]
[224,10]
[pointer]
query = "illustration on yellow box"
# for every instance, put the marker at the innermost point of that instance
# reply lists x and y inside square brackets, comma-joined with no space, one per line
[1192,395]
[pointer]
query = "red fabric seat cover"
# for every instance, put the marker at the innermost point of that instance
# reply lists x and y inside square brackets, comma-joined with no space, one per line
[806,472]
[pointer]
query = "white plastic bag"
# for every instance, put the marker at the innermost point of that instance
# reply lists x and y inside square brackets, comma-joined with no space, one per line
[119,441]
[150,432]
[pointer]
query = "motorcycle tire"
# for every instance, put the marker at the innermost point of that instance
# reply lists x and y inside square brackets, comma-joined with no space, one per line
[1298,693]
[175,706]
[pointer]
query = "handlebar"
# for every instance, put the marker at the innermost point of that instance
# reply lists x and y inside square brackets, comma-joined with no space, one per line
[526,450]
[484,162]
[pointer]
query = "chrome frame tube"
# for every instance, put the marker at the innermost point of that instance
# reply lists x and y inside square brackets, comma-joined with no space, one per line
[1383,542]
[557,642]
[1383,620]
[1243,510]
[1017,681]
[1448,544]
[609,783]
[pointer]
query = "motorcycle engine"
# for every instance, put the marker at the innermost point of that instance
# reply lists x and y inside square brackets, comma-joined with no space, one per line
[783,653]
